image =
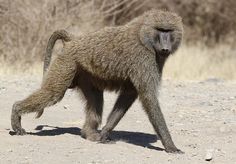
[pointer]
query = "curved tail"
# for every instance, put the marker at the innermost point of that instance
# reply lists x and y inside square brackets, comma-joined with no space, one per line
[59,34]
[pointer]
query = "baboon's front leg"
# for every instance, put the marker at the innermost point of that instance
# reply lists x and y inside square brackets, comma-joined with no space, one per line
[124,101]
[151,105]
[53,89]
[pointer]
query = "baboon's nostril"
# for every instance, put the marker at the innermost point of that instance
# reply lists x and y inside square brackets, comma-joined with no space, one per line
[165,50]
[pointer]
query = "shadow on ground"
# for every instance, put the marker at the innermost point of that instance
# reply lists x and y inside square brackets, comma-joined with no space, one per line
[135,138]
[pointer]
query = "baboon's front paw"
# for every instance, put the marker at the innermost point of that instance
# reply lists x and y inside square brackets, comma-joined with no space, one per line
[174,151]
[20,132]
[105,139]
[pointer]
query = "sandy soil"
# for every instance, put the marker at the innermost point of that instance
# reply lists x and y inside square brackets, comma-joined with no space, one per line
[200,115]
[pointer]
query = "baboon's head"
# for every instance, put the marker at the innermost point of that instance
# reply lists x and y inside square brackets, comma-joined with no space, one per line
[161,32]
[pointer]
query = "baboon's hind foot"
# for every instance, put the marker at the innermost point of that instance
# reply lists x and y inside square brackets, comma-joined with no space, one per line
[91,135]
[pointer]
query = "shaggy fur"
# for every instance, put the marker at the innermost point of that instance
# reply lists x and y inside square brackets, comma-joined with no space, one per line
[126,58]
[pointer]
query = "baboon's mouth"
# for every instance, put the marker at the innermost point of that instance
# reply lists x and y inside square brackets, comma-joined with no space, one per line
[163,54]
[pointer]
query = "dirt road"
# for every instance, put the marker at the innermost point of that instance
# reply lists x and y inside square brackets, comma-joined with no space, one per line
[200,115]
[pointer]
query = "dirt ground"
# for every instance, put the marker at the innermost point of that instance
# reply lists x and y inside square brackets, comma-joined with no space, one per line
[201,117]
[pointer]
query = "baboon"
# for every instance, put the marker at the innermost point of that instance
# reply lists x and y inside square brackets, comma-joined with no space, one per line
[128,59]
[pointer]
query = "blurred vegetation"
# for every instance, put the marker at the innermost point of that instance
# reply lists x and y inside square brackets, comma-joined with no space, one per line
[25,25]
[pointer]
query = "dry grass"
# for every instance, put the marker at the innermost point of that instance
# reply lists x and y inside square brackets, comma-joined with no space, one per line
[189,63]
[26,25]
[16,69]
[200,62]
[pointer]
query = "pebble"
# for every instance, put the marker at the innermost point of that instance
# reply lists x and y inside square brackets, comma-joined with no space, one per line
[169,159]
[138,121]
[2,88]
[232,98]
[209,154]
[181,116]
[233,110]
[179,85]
[66,106]
[194,154]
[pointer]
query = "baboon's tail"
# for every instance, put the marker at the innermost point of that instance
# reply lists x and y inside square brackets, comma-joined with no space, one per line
[59,34]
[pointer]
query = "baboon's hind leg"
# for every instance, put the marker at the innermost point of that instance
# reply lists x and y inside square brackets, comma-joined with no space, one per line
[123,103]
[94,108]
[52,90]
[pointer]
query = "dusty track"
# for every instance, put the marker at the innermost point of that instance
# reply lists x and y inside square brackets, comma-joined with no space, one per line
[200,116]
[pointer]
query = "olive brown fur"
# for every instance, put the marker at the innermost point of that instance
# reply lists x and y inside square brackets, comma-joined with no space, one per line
[128,59]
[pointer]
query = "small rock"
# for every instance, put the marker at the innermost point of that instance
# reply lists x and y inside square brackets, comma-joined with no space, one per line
[181,116]
[232,97]
[10,150]
[233,110]
[209,154]
[2,88]
[192,146]
[195,135]
[179,85]
[66,106]
[194,154]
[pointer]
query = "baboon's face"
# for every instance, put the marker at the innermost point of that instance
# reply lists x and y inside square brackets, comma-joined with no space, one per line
[161,33]
[163,41]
